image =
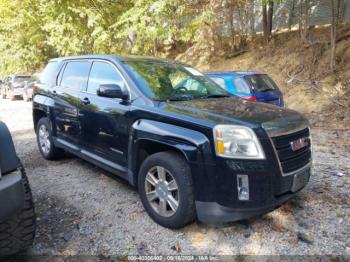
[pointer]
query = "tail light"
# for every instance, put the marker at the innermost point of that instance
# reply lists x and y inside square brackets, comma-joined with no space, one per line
[250,98]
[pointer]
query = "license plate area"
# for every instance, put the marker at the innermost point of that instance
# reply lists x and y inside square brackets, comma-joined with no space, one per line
[300,180]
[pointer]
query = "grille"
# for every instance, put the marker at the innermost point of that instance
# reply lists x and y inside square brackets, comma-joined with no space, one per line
[292,160]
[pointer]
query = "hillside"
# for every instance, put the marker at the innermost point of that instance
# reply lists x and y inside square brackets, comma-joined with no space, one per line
[301,71]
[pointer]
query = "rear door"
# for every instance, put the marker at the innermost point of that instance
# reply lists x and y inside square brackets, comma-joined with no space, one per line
[264,88]
[71,81]
[104,120]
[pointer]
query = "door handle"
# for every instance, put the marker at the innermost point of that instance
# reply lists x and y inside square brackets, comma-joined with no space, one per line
[86,101]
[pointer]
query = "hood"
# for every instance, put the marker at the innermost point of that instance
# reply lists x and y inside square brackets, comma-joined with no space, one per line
[275,120]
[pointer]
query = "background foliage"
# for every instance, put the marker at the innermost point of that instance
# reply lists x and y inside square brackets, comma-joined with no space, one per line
[32,31]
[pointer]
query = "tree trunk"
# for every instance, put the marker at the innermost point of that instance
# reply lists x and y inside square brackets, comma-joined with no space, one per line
[269,18]
[232,26]
[335,6]
[304,20]
[252,17]
[341,8]
[264,22]
[291,15]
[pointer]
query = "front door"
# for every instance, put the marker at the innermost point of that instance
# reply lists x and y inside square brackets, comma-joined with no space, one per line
[72,80]
[103,120]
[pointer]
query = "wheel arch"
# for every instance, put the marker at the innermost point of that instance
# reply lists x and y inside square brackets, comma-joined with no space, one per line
[41,108]
[149,137]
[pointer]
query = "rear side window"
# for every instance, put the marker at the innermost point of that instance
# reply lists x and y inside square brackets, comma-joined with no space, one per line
[48,75]
[220,81]
[241,85]
[103,73]
[75,75]
[261,83]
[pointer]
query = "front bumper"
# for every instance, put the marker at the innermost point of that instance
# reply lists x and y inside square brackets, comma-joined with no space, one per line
[11,194]
[268,190]
[214,213]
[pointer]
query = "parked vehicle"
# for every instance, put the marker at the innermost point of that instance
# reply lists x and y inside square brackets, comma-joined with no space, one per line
[18,86]
[250,85]
[191,150]
[17,216]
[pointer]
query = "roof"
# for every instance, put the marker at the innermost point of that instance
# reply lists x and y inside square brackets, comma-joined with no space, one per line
[234,73]
[116,57]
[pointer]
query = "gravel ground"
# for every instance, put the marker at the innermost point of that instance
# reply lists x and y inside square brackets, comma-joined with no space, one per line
[84,210]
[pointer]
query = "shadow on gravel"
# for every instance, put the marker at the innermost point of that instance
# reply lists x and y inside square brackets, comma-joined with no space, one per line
[31,158]
[57,223]
[99,170]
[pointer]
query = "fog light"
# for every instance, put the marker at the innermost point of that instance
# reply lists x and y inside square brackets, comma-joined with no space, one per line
[243,187]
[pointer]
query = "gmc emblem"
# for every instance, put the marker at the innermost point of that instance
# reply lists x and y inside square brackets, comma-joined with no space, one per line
[299,143]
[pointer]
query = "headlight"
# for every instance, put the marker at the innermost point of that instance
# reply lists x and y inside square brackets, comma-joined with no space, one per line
[237,142]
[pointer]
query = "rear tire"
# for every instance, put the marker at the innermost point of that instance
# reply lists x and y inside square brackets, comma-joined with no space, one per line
[45,141]
[175,189]
[17,233]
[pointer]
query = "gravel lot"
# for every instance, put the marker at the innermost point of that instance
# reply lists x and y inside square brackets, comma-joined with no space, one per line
[84,210]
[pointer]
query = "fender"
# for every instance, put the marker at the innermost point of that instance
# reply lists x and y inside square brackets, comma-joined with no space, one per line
[45,104]
[194,146]
[8,157]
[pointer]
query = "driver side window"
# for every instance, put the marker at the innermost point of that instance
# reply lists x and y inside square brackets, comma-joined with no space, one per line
[103,73]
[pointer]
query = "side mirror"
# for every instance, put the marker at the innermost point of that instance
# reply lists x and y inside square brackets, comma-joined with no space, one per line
[111,91]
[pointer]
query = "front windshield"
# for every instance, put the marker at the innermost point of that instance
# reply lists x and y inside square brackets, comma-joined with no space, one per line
[170,81]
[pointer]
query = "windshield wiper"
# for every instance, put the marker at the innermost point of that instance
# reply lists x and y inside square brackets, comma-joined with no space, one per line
[214,96]
[179,98]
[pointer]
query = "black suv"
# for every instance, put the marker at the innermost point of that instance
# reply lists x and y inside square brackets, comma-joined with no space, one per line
[191,148]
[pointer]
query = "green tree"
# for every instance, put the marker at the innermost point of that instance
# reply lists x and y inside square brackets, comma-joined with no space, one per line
[145,27]
[22,41]
[33,31]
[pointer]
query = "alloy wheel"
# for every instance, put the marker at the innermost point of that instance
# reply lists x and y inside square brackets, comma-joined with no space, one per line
[162,191]
[44,139]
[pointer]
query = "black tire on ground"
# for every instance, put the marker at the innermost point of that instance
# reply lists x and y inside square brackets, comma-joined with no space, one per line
[53,152]
[17,233]
[180,170]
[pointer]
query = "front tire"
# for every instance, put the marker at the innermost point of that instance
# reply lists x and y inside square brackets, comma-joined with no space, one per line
[45,141]
[17,233]
[166,189]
